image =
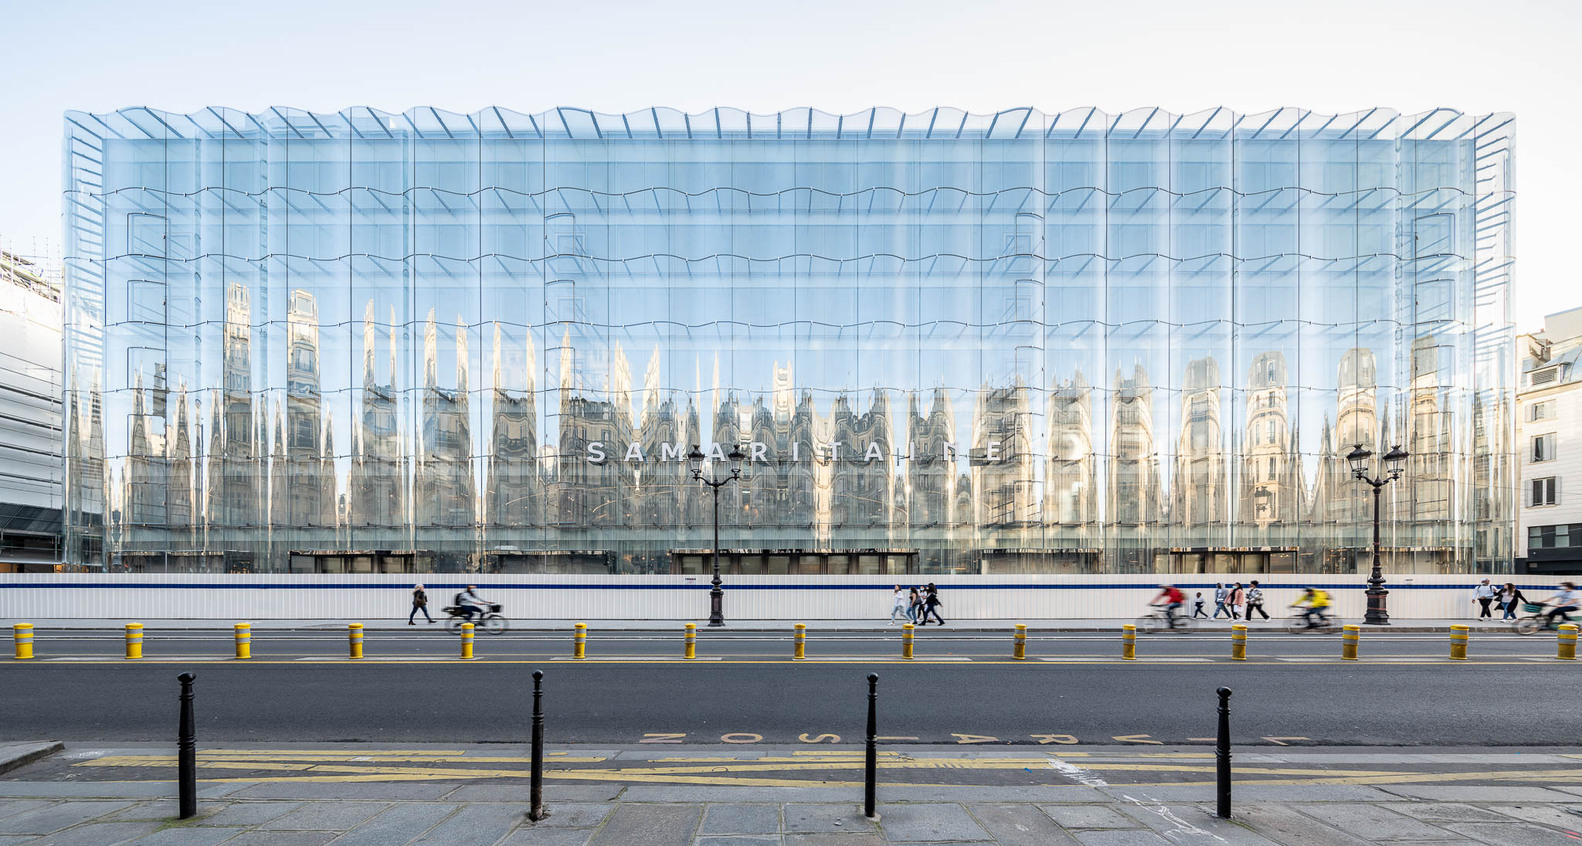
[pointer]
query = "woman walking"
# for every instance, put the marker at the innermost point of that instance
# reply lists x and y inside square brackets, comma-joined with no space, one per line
[899,605]
[1238,602]
[419,603]
[1510,599]
[914,608]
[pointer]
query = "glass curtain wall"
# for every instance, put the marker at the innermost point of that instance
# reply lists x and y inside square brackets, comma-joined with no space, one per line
[947,342]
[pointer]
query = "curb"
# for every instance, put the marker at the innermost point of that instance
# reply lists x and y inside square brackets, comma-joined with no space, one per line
[29,754]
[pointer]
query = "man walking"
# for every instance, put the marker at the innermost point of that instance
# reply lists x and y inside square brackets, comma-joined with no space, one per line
[1483,594]
[1255,601]
[1220,595]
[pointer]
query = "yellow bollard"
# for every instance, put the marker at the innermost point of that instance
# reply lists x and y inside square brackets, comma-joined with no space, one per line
[466,641]
[22,634]
[244,640]
[1129,642]
[1458,642]
[354,636]
[1019,646]
[906,640]
[801,642]
[134,640]
[1238,642]
[1567,642]
[580,651]
[692,640]
[1349,636]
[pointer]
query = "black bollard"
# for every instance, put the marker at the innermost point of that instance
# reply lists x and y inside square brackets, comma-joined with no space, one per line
[1222,754]
[536,791]
[871,766]
[187,752]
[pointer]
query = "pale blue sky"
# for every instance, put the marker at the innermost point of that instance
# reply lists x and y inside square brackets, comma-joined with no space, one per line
[1250,55]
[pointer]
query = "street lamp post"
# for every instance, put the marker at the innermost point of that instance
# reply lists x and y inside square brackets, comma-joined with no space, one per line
[695,459]
[1361,460]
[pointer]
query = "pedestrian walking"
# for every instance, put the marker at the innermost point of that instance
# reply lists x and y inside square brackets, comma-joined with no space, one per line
[1255,601]
[1238,601]
[419,603]
[1484,594]
[899,605]
[1511,599]
[1220,595]
[914,608]
[931,604]
[1197,607]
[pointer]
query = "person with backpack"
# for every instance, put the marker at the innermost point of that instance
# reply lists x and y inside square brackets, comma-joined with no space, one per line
[1255,601]
[1484,595]
[419,603]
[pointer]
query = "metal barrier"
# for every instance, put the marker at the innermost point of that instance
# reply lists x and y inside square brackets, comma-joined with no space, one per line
[536,810]
[187,752]
[1222,755]
[871,751]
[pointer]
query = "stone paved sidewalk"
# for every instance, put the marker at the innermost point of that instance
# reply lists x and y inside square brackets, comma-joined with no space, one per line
[395,814]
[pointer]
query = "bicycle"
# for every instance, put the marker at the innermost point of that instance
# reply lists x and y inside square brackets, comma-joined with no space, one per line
[490,620]
[1157,622]
[1327,624]
[1537,620]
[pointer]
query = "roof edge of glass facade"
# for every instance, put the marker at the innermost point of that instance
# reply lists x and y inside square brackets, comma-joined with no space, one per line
[663,123]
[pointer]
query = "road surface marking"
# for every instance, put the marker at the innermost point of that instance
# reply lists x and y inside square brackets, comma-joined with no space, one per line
[1281,741]
[741,737]
[974,738]
[1136,738]
[663,737]
[1062,739]
[822,738]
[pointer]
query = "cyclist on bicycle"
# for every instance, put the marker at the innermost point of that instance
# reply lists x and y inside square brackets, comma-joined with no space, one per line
[1565,602]
[1316,602]
[471,603]
[1170,598]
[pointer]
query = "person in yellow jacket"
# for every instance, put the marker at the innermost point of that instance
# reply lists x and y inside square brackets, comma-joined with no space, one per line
[1317,603]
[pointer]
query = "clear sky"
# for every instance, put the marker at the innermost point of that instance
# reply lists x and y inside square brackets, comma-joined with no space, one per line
[1184,55]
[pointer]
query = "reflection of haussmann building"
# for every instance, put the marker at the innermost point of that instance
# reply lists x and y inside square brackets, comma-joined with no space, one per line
[1005,343]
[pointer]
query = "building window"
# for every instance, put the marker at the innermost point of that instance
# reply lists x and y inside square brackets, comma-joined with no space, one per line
[1544,491]
[1541,411]
[1544,447]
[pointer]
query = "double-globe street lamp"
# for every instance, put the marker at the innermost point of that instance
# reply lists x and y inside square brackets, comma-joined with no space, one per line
[695,460]
[1361,460]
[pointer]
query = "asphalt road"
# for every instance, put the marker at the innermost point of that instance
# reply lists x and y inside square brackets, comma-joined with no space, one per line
[1522,701]
[434,643]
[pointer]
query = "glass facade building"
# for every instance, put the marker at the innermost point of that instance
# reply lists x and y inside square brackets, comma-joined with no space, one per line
[1019,342]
